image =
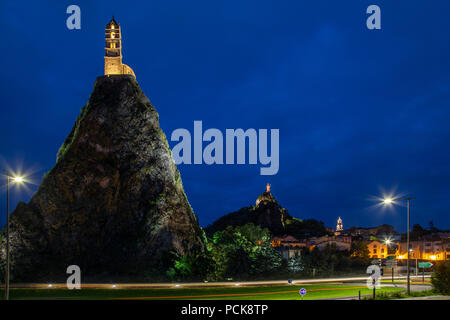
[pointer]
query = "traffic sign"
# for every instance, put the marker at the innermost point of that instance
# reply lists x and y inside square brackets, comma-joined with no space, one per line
[390,257]
[425,264]
[302,291]
[391,263]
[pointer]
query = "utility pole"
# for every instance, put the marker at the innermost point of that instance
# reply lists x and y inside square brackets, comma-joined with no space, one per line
[407,248]
[16,179]
[7,241]
[417,270]
[373,288]
[390,201]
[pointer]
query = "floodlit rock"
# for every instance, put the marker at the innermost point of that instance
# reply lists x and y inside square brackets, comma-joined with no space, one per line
[267,214]
[114,203]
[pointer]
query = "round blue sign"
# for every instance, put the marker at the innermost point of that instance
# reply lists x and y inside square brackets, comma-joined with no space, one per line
[302,291]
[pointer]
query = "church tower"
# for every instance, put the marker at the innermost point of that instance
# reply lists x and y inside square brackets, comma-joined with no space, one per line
[339,226]
[113,51]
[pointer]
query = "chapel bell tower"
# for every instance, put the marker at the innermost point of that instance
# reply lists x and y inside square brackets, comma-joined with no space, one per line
[113,51]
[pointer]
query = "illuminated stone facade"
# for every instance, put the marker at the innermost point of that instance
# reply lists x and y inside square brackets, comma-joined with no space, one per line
[431,247]
[377,250]
[288,246]
[113,51]
[341,243]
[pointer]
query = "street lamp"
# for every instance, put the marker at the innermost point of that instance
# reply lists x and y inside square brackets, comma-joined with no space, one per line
[18,179]
[15,179]
[389,201]
[387,242]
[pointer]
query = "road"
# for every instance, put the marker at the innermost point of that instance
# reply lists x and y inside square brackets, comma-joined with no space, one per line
[417,279]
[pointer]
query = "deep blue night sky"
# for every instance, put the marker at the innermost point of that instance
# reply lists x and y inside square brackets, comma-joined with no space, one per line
[359,111]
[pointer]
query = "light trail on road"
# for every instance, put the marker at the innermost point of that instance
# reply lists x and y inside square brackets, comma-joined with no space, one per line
[115,286]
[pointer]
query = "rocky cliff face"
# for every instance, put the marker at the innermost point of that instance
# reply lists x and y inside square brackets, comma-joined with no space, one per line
[267,214]
[114,203]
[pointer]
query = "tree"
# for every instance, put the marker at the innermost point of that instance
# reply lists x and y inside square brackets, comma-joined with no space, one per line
[313,260]
[295,264]
[264,257]
[197,266]
[418,232]
[331,257]
[359,250]
[433,229]
[306,228]
[229,251]
[243,251]
[417,228]
[441,277]
[253,233]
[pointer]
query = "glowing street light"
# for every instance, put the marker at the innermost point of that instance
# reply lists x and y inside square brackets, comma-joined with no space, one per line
[10,178]
[390,201]
[18,179]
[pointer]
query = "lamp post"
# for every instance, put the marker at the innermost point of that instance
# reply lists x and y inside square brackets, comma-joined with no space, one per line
[7,240]
[391,201]
[9,178]
[388,243]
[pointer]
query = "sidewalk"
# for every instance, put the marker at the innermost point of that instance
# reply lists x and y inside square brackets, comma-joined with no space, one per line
[428,298]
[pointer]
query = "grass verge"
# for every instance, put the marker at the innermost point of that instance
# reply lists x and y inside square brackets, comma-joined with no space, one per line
[285,292]
[384,295]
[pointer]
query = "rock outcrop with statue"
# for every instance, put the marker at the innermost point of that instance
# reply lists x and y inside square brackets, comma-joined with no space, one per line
[268,213]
